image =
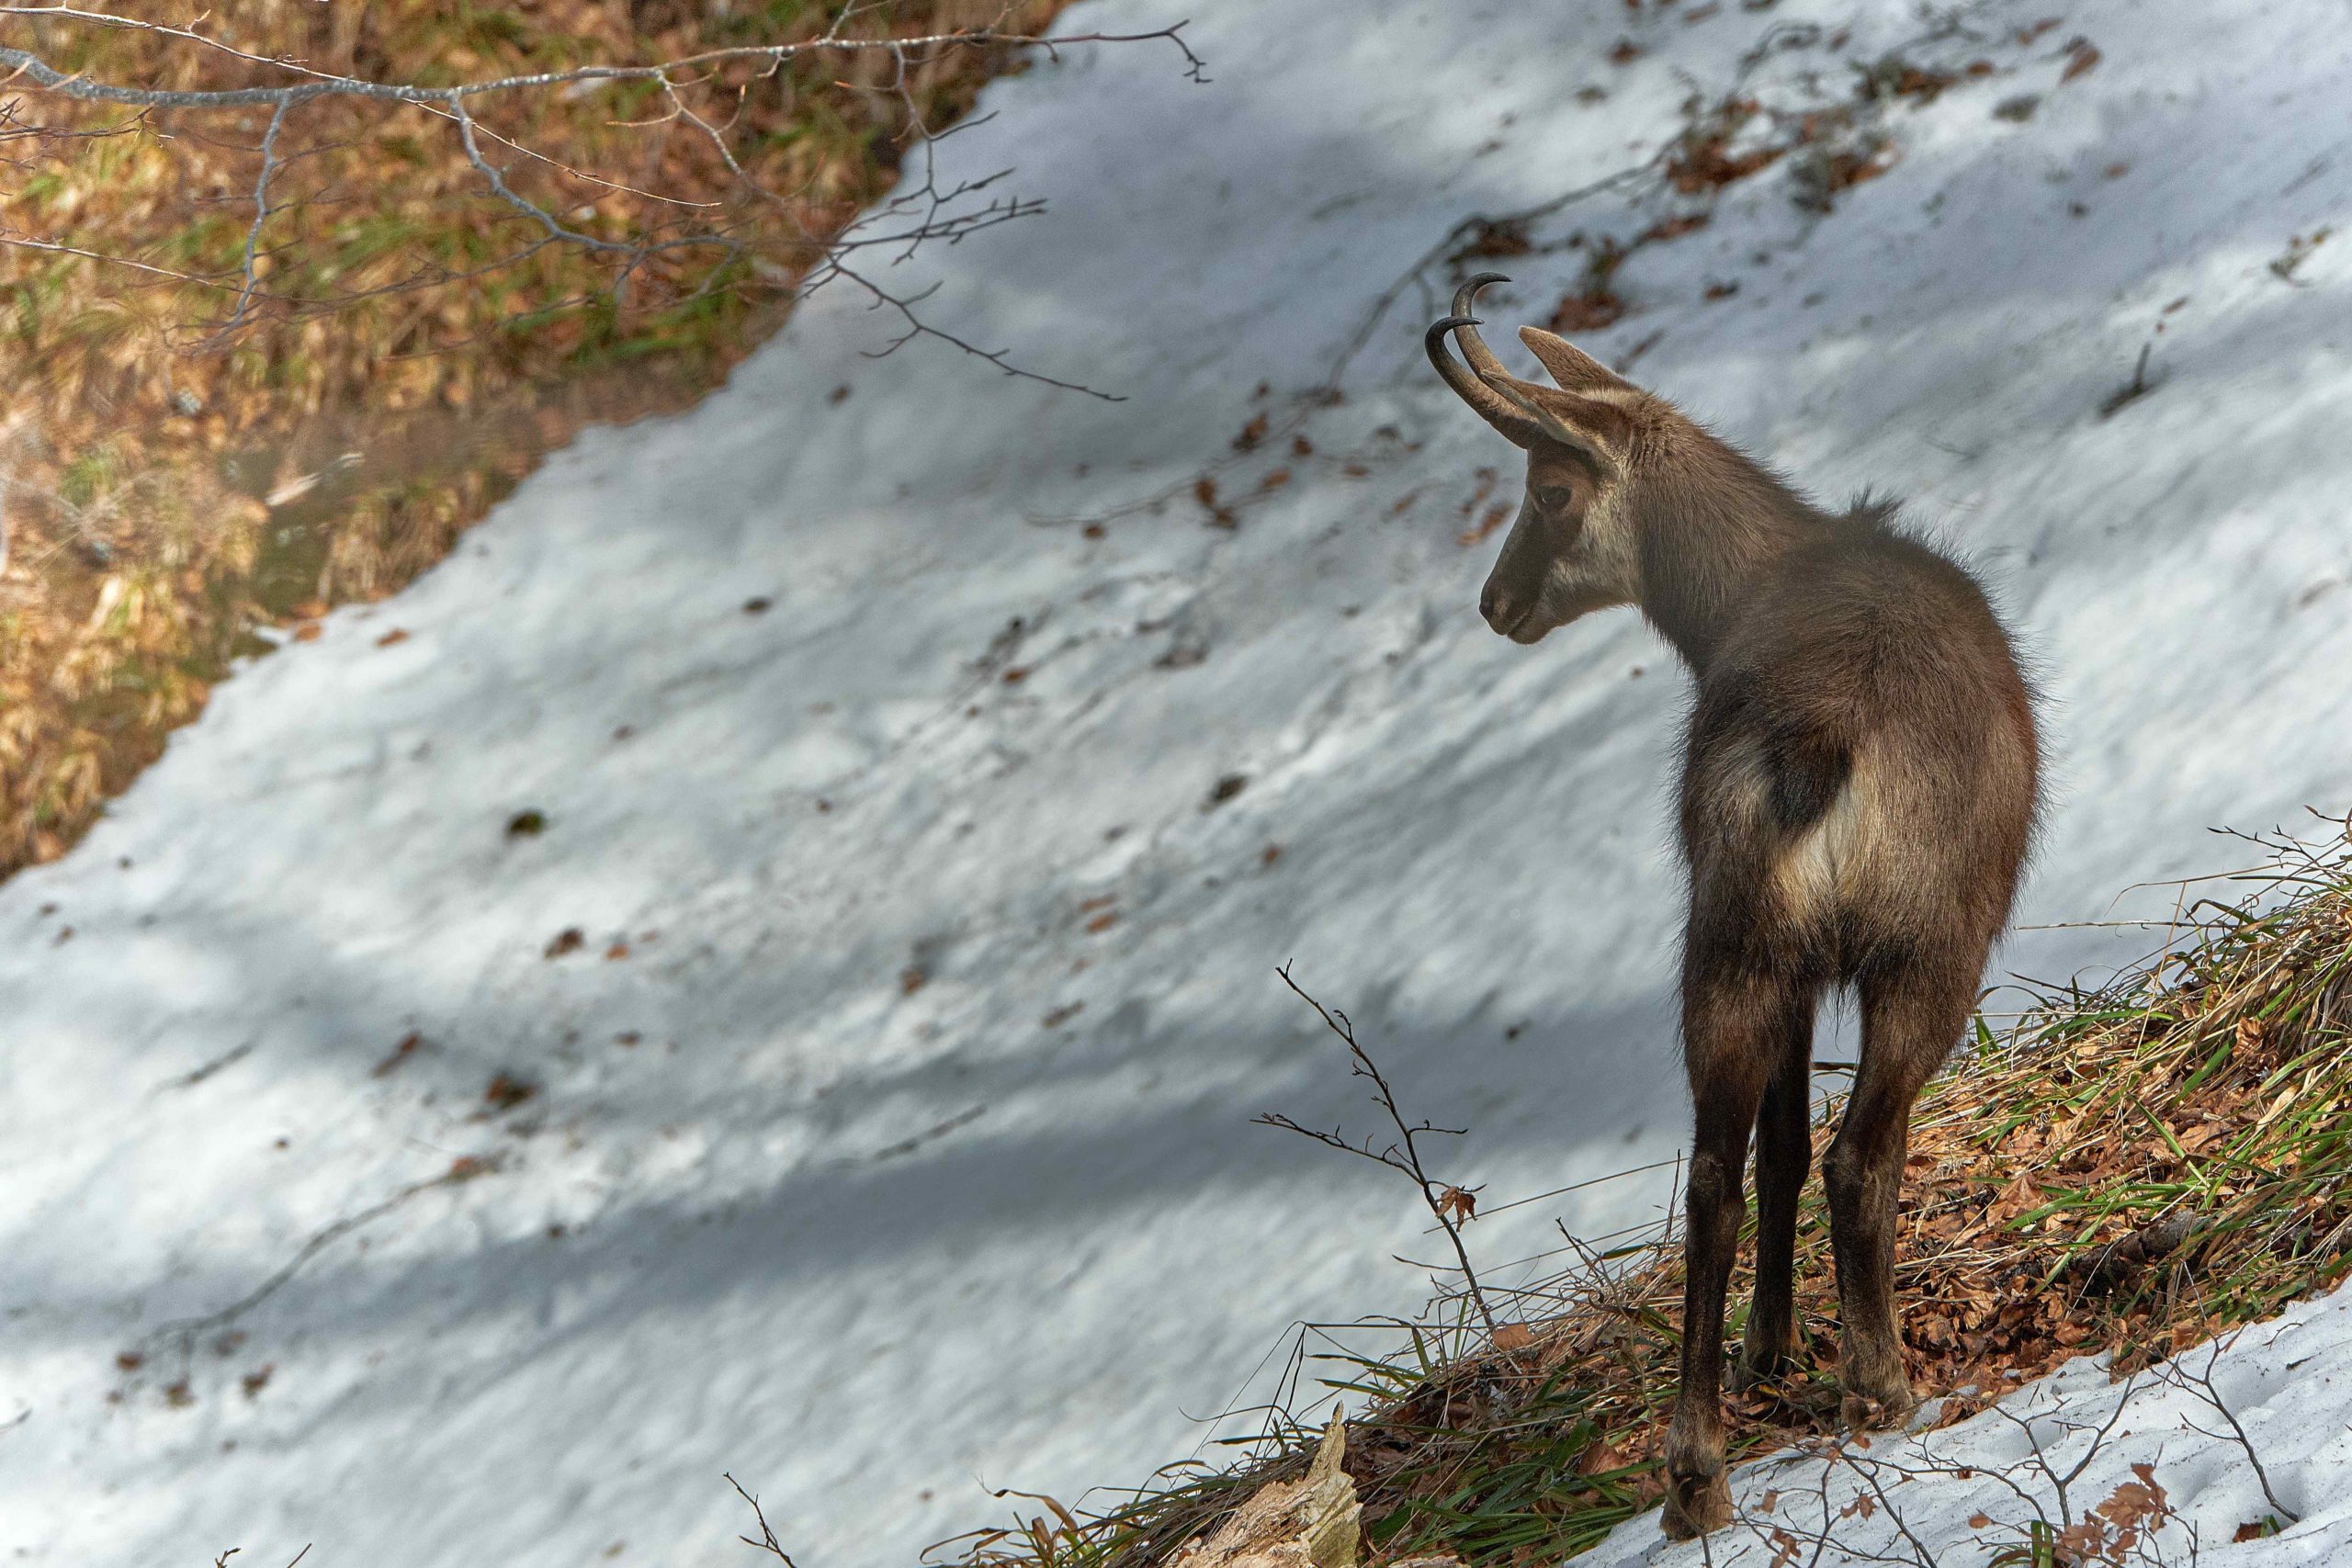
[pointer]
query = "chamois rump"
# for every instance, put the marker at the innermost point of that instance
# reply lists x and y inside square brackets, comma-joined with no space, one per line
[1858,789]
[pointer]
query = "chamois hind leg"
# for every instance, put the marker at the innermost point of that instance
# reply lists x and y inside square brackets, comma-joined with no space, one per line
[1913,1013]
[1783,1153]
[1733,1032]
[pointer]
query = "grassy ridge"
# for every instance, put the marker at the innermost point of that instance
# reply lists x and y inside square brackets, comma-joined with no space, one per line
[2132,1168]
[169,488]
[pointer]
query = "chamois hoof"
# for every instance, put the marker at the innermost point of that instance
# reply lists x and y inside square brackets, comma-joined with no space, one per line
[1696,1505]
[1882,1412]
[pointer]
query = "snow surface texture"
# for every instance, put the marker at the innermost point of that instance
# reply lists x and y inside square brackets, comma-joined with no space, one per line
[863,1158]
[2274,1393]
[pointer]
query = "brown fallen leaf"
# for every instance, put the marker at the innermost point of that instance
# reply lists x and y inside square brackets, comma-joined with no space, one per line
[400,1053]
[1494,519]
[1220,516]
[1598,1458]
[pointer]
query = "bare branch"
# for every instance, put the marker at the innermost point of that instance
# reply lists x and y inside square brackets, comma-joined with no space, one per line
[185,1329]
[261,215]
[222,1561]
[1449,1203]
[2178,1373]
[324,85]
[923,215]
[767,1541]
[917,327]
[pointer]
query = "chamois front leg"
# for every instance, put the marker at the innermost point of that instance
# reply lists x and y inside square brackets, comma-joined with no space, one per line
[1729,1031]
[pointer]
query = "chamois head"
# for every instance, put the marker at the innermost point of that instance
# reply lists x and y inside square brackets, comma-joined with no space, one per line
[1573,547]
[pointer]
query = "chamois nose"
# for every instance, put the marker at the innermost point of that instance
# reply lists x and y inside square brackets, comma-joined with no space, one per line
[1495,607]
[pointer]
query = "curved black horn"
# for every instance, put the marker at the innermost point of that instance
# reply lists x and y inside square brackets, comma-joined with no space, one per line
[1473,347]
[1491,405]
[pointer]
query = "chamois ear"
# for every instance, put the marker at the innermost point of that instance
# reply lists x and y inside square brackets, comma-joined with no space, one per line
[1571,367]
[1602,433]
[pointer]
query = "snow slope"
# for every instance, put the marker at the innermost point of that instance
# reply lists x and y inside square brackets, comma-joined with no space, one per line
[2277,1393]
[771,1206]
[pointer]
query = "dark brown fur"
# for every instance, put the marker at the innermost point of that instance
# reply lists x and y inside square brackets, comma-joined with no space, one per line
[1858,785]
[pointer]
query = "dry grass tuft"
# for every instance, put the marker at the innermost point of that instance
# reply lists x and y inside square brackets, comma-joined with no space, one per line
[2129,1170]
[168,488]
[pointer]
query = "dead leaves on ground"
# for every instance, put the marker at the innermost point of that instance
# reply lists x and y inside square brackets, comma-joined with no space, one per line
[166,502]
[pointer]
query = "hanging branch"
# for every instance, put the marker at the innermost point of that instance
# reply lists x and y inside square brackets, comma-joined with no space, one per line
[926,213]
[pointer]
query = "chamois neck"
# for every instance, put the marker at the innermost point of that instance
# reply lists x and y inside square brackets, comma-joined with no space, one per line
[1713,526]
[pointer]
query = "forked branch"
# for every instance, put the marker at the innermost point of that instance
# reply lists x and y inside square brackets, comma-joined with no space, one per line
[1452,1205]
[767,1540]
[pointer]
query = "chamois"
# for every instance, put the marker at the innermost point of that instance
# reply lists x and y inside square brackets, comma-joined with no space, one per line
[1859,791]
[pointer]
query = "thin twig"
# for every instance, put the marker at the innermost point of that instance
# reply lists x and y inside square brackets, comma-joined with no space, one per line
[2202,1383]
[767,1541]
[1446,1202]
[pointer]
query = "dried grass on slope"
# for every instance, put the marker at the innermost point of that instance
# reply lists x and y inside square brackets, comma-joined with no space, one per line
[165,493]
[2131,1169]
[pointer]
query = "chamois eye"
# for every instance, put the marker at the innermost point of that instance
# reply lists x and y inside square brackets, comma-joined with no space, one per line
[1554,497]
